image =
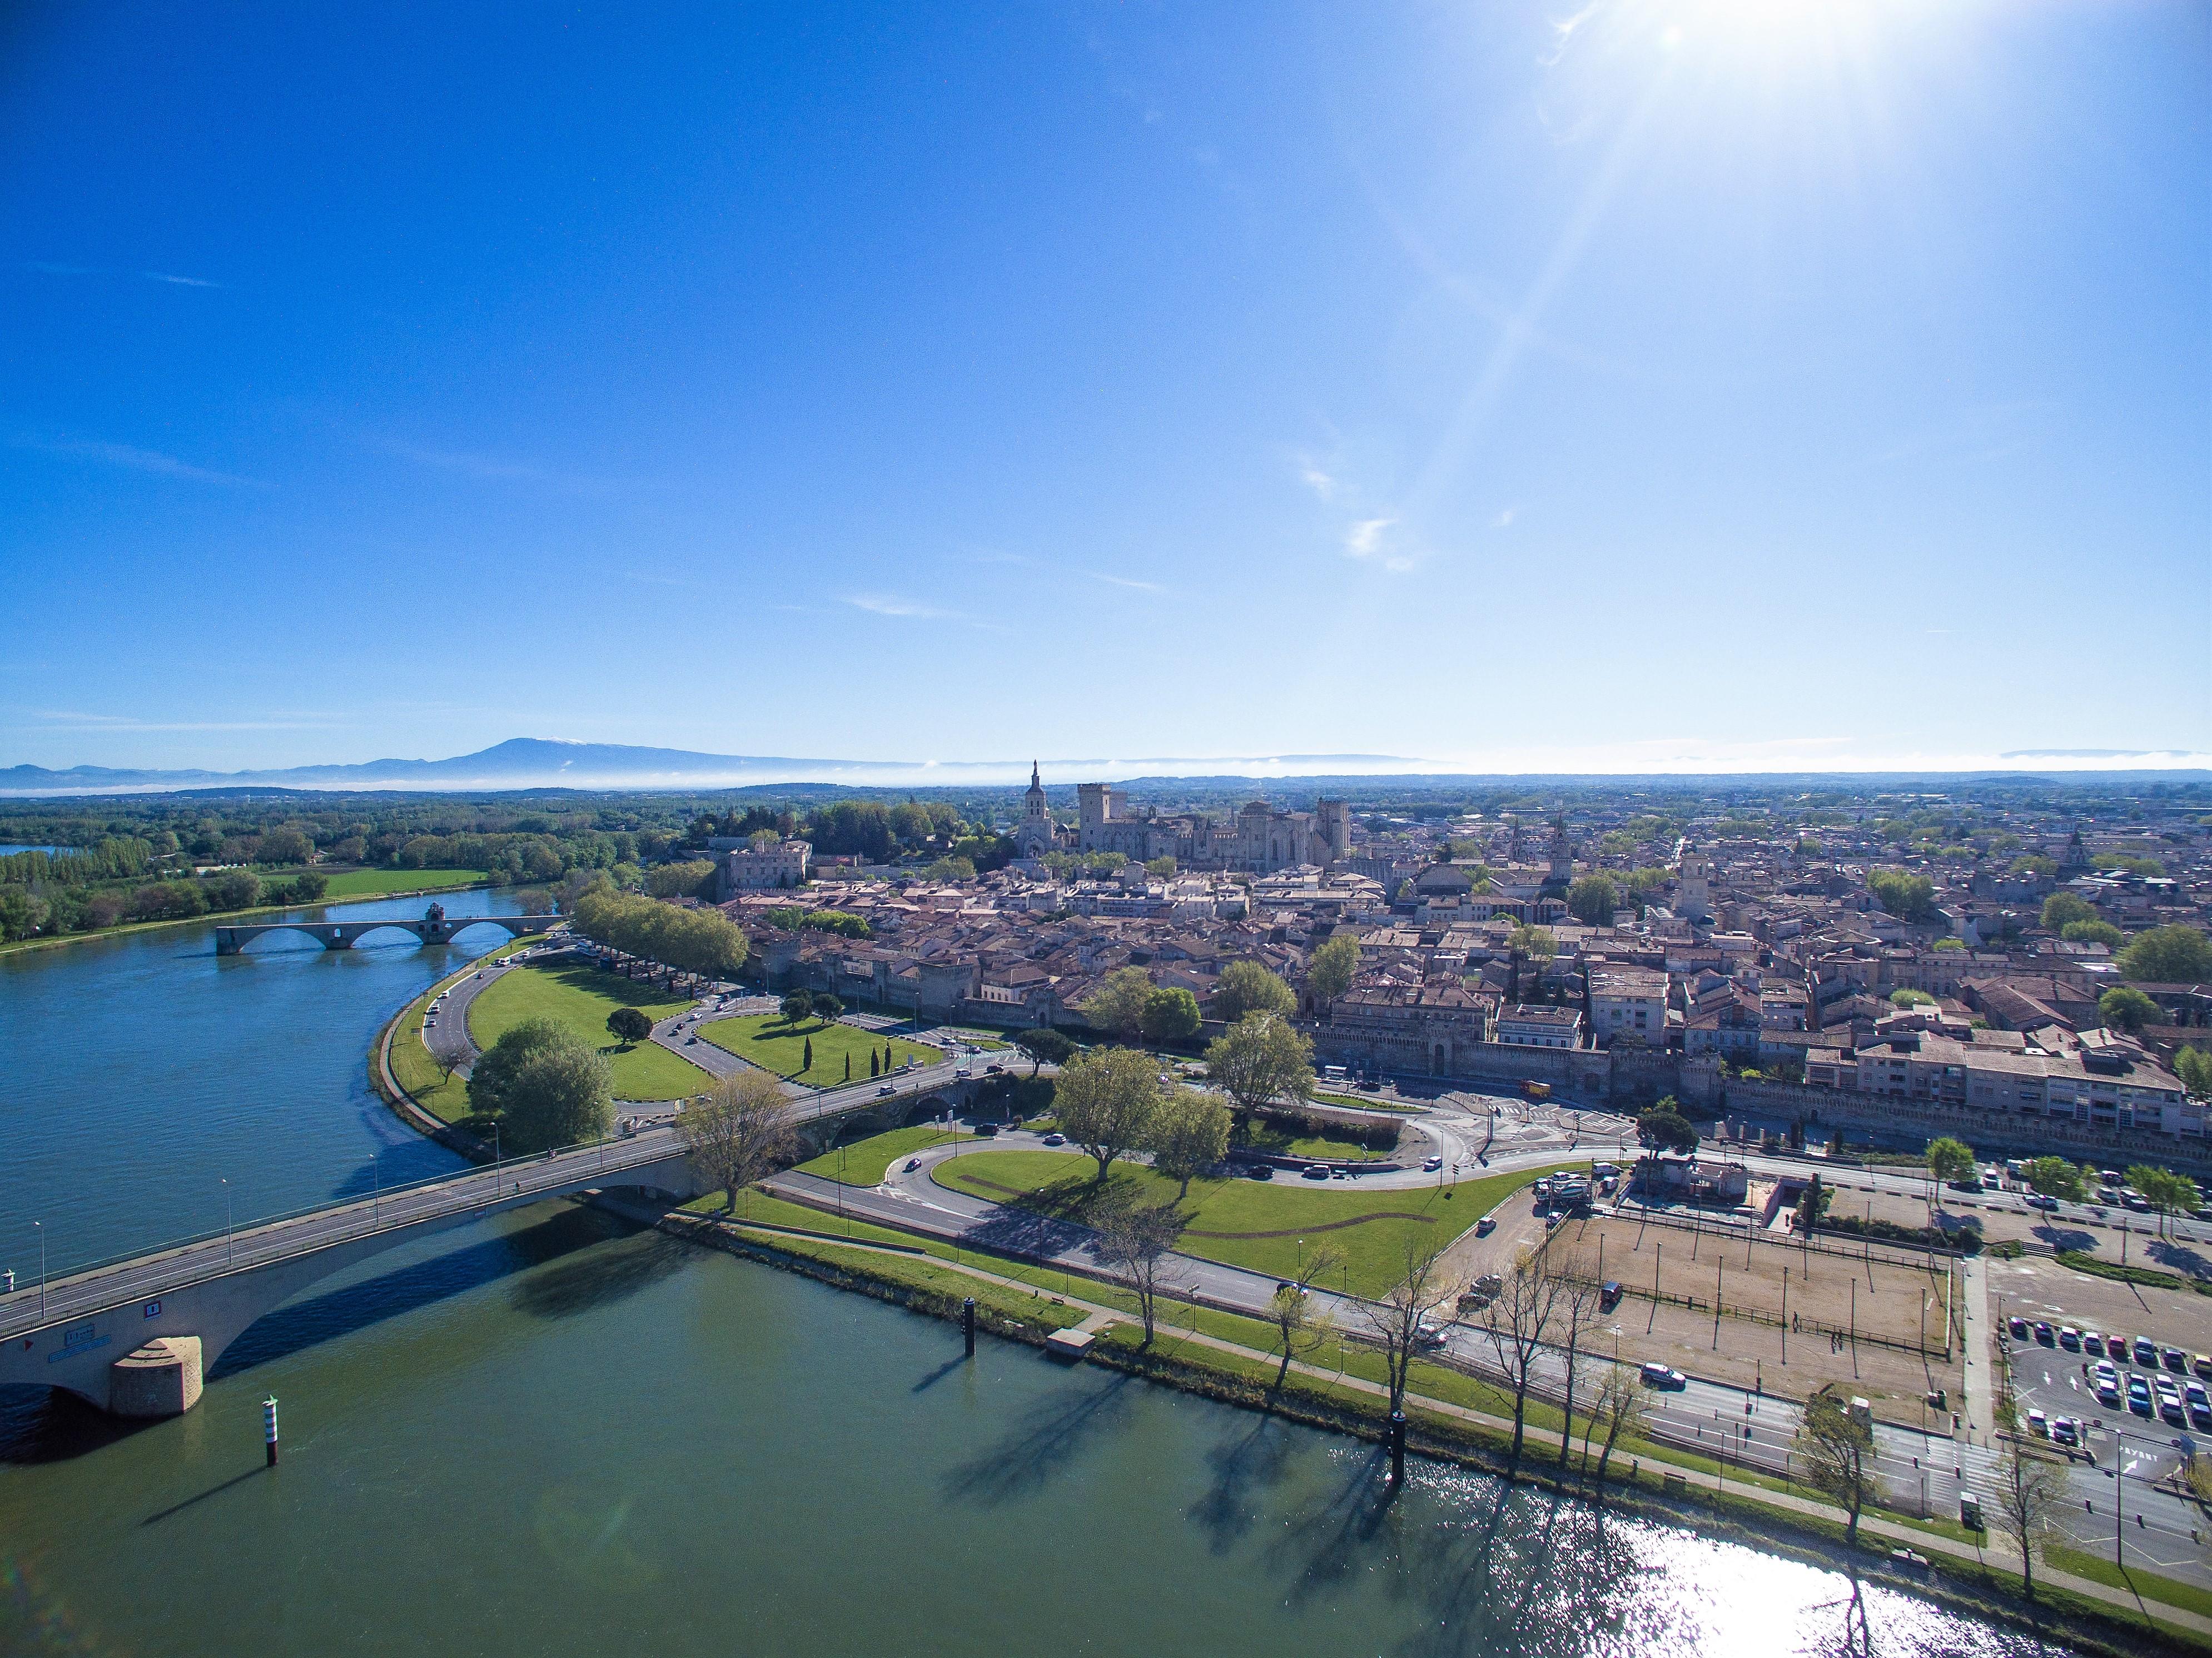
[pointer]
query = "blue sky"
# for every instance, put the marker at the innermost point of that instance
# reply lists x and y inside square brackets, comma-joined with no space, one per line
[1726,384]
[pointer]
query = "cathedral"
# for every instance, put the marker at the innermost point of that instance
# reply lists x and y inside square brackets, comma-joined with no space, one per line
[1260,839]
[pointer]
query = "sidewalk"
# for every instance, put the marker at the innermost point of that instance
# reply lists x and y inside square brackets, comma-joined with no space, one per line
[1098,1318]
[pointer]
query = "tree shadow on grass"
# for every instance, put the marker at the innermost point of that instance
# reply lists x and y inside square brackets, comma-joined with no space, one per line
[1048,1439]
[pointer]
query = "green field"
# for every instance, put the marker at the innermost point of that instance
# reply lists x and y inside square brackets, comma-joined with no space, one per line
[375,882]
[772,1042]
[581,999]
[864,1162]
[1356,1102]
[1056,1183]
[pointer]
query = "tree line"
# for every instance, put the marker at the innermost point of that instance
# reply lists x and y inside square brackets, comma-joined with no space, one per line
[703,941]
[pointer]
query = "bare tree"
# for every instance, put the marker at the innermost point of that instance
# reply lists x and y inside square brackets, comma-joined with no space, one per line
[1575,1315]
[1838,1447]
[1519,1319]
[738,1130]
[1619,1409]
[1136,1239]
[1300,1328]
[1399,1323]
[2029,1487]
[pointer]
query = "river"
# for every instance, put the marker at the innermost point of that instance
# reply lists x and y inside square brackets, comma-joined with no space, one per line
[553,1433]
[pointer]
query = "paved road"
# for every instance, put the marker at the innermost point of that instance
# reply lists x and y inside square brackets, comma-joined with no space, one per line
[164,1272]
[1925,1471]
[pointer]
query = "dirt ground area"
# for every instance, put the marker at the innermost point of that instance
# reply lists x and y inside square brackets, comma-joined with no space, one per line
[2039,1288]
[1894,1292]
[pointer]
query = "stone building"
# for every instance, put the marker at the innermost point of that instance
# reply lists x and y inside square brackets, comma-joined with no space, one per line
[1260,840]
[742,866]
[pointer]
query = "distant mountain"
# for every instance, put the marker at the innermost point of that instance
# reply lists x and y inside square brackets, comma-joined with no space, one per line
[530,762]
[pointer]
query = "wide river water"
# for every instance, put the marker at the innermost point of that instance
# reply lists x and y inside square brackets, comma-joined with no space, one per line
[555,1434]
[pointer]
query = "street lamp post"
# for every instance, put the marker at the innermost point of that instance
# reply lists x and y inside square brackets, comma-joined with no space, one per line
[229,1230]
[375,1187]
[41,1225]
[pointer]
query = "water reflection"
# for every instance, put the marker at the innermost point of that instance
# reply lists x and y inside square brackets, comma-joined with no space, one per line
[1051,1435]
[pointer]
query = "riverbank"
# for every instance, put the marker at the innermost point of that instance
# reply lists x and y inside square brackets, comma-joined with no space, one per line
[412,1082]
[1214,1357]
[229,917]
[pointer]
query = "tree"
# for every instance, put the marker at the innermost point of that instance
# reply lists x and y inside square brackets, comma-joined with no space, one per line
[1105,1102]
[1164,868]
[1168,1016]
[1908,898]
[2054,1177]
[796,1005]
[1136,1239]
[1537,943]
[2030,1487]
[309,884]
[491,1083]
[1619,1409]
[2168,954]
[1300,1329]
[1397,1322]
[1837,1449]
[1666,1129]
[1260,1059]
[1593,899]
[1249,987]
[631,1024]
[2064,910]
[1517,1321]
[691,880]
[1950,1159]
[1334,967]
[827,1008]
[2195,1069]
[875,1063]
[1187,1135]
[1910,998]
[737,1131]
[561,1094]
[2092,933]
[806,1059]
[951,869]
[1574,1316]
[1044,1045]
[236,889]
[2125,1008]
[1118,1004]
[2167,1193]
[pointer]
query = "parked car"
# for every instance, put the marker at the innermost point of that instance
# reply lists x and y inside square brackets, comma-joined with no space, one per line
[2139,1395]
[1262,1171]
[2037,1424]
[2043,1332]
[2069,1338]
[2091,1342]
[1659,1376]
[2146,1352]
[1315,1171]
[2173,1359]
[2064,1430]
[2116,1346]
[2017,1326]
[2039,1200]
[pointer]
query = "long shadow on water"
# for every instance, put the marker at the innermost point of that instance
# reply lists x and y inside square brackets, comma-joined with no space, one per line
[293,1328]
[1244,1465]
[1046,1442]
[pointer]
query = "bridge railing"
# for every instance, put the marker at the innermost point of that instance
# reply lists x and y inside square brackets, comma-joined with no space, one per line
[371,1202]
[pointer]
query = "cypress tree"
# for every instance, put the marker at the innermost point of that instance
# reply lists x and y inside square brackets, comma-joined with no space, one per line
[807,1060]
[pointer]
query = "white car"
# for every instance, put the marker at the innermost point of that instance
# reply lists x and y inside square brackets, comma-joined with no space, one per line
[1433,1165]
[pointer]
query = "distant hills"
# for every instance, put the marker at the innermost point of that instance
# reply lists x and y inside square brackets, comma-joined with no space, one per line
[530,763]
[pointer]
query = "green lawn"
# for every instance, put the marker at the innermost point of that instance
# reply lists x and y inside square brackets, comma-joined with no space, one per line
[1375,1250]
[581,999]
[1356,1102]
[770,1041]
[2099,1568]
[374,883]
[864,1162]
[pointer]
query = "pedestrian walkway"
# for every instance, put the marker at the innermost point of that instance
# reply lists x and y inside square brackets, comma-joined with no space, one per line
[1997,1554]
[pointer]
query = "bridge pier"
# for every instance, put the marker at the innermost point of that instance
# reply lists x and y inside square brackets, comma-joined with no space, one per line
[162,1378]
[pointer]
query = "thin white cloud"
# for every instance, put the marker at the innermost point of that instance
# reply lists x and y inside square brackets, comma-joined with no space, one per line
[891,605]
[1504,519]
[1318,481]
[177,281]
[497,469]
[1563,34]
[73,720]
[138,460]
[1130,582]
[1365,541]
[55,268]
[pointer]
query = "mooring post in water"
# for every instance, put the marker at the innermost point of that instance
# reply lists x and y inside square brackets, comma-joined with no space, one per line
[269,1426]
[1397,1447]
[967,1324]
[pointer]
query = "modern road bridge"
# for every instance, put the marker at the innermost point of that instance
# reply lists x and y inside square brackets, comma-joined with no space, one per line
[434,928]
[167,1315]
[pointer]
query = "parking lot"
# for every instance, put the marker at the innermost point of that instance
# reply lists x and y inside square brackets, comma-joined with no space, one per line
[2057,1375]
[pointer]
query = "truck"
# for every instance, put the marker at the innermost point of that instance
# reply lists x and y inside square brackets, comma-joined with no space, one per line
[1536,1091]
